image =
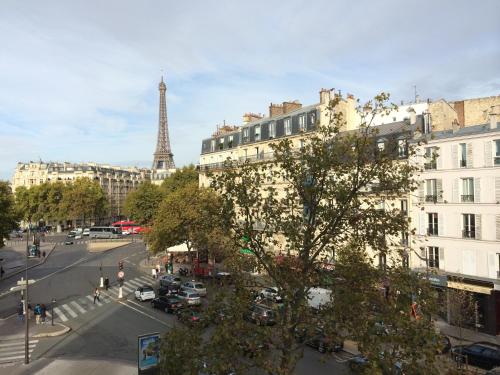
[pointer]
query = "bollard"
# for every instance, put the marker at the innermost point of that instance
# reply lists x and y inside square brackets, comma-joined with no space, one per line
[120,293]
[102,282]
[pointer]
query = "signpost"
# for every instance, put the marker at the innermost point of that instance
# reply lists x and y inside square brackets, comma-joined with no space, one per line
[148,353]
[121,276]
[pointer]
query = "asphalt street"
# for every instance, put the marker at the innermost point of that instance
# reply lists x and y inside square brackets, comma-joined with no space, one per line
[109,329]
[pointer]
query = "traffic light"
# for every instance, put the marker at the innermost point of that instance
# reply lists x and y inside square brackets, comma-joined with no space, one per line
[120,265]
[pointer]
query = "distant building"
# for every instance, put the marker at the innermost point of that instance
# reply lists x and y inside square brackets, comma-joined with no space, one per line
[115,181]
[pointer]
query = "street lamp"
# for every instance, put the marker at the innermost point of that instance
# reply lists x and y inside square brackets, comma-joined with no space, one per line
[52,309]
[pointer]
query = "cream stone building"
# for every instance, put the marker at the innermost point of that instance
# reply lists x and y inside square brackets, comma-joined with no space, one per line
[117,182]
[455,213]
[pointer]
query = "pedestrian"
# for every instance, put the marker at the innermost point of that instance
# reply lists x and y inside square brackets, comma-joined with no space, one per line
[106,283]
[20,311]
[158,269]
[153,273]
[29,311]
[1,272]
[96,295]
[43,253]
[38,313]
[43,315]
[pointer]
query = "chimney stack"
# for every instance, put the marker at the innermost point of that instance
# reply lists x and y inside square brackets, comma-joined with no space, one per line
[325,95]
[291,106]
[249,117]
[494,116]
[275,110]
[455,126]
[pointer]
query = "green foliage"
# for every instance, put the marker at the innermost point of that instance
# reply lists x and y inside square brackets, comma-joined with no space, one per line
[85,199]
[181,352]
[142,204]
[179,179]
[8,213]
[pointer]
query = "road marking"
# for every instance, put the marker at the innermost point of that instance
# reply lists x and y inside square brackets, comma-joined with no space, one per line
[136,283]
[127,289]
[78,307]
[146,279]
[84,302]
[143,313]
[97,302]
[69,310]
[60,314]
[21,344]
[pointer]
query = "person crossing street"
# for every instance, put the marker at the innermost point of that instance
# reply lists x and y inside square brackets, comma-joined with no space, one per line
[96,295]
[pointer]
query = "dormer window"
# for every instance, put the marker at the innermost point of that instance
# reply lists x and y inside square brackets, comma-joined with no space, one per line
[245,135]
[312,118]
[257,132]
[288,126]
[302,123]
[272,130]
[212,145]
[381,145]
[230,141]
[221,143]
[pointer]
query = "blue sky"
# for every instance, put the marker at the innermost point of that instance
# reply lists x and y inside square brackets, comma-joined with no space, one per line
[79,79]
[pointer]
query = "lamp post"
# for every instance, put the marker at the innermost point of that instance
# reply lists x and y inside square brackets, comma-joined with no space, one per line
[26,332]
[52,310]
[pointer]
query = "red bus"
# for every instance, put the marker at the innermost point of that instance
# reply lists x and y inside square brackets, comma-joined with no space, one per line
[128,227]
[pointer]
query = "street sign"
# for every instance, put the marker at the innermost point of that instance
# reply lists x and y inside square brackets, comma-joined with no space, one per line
[121,274]
[23,282]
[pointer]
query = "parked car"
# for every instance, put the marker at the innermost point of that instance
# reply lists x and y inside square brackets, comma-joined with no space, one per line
[271,293]
[192,317]
[144,293]
[71,234]
[494,371]
[224,278]
[480,354]
[190,298]
[169,290]
[69,240]
[260,315]
[168,304]
[167,280]
[86,232]
[360,363]
[195,286]
[324,343]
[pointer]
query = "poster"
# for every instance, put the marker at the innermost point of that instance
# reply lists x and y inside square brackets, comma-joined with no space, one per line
[148,351]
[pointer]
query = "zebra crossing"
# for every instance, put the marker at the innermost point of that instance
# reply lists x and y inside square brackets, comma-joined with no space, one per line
[80,306]
[13,350]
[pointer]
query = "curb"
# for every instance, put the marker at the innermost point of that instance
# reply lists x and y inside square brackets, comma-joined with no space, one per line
[65,329]
[113,248]
[33,266]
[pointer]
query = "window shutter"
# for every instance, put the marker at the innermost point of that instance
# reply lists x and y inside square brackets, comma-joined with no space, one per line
[439,159]
[439,188]
[421,223]
[423,253]
[498,227]
[454,156]
[440,225]
[497,189]
[478,227]
[441,257]
[421,187]
[477,190]
[469,155]
[488,157]
[454,197]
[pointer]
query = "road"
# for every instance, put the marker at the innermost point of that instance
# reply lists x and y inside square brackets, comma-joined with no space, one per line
[107,330]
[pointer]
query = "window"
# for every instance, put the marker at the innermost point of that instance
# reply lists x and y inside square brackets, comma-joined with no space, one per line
[405,260]
[404,206]
[463,155]
[430,157]
[257,155]
[312,118]
[433,256]
[212,145]
[402,148]
[404,239]
[257,132]
[230,141]
[302,123]
[245,135]
[272,129]
[497,152]
[380,145]
[221,143]
[288,126]
[382,261]
[432,228]
[469,226]
[427,123]
[467,190]
[431,191]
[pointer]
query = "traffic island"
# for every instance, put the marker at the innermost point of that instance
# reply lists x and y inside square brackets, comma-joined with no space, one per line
[12,328]
[100,247]
[47,330]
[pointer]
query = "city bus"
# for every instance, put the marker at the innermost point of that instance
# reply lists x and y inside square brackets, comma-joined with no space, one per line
[104,232]
[128,227]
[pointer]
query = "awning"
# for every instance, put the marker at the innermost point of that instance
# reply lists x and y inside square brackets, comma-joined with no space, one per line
[178,248]
[246,251]
[469,287]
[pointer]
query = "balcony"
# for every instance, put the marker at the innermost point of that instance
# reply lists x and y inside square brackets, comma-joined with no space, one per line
[467,198]
[430,165]
[431,198]
[432,231]
[469,233]
[497,160]
[463,163]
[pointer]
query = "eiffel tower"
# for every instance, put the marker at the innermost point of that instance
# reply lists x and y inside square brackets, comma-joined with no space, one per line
[163,157]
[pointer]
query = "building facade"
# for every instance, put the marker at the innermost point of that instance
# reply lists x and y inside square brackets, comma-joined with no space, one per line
[117,182]
[455,213]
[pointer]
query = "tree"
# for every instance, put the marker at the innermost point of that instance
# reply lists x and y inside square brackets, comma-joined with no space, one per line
[321,203]
[8,214]
[142,204]
[179,179]
[85,199]
[187,215]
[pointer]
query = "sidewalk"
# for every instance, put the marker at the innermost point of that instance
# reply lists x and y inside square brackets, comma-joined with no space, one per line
[14,258]
[77,367]
[12,328]
[468,335]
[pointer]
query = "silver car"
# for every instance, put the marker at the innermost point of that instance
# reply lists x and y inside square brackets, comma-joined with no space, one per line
[195,286]
[144,293]
[190,298]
